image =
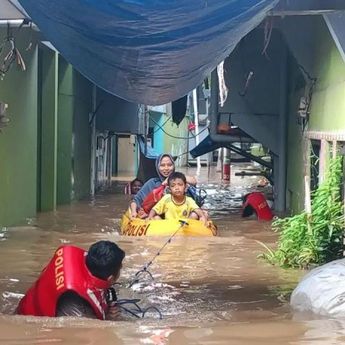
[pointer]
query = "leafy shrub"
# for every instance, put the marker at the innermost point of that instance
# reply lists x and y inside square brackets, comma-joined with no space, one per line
[315,238]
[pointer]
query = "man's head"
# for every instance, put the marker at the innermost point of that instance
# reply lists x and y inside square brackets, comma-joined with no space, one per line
[177,184]
[104,260]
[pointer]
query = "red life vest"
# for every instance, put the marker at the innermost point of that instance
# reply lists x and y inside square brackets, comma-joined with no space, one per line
[66,271]
[256,202]
[152,198]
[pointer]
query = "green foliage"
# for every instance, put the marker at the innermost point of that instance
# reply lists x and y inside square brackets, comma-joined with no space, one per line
[314,238]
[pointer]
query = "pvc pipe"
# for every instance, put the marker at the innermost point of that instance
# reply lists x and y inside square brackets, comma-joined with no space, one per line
[196,121]
[226,165]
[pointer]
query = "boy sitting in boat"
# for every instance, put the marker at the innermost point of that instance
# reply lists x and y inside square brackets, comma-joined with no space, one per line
[177,205]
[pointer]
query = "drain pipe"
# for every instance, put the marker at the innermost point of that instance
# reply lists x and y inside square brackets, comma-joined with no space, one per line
[226,164]
[196,122]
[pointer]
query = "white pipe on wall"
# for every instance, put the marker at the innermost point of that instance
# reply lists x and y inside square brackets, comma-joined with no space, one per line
[196,121]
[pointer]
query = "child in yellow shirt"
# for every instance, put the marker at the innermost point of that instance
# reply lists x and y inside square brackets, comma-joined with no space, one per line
[177,205]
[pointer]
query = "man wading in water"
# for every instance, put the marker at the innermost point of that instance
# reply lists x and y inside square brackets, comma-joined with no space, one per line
[76,283]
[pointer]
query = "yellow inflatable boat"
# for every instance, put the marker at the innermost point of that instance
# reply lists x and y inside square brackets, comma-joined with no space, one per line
[141,227]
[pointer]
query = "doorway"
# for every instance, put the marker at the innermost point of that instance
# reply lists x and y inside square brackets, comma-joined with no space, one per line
[126,153]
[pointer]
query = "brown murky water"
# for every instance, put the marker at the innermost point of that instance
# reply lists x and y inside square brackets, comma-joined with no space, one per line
[209,290]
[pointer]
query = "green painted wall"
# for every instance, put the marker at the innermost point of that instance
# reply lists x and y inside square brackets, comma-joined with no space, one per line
[45,149]
[295,170]
[328,105]
[81,134]
[47,129]
[18,141]
[65,121]
[75,104]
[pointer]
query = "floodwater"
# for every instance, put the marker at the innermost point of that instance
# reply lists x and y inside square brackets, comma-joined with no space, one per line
[209,290]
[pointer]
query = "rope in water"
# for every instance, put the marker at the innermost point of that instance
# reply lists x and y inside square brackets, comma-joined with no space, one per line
[139,312]
[147,265]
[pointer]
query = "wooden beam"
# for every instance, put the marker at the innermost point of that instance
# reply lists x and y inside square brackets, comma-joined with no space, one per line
[307,7]
[324,151]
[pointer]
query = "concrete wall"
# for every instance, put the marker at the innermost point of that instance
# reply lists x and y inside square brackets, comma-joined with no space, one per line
[311,48]
[18,141]
[255,108]
[45,149]
[81,141]
[65,123]
[47,129]
[64,136]
[75,104]
[295,163]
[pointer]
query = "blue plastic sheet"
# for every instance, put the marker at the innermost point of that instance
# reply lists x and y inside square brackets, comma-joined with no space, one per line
[146,51]
[149,152]
[206,146]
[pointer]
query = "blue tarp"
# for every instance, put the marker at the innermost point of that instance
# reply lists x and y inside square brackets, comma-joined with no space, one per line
[207,145]
[148,151]
[146,51]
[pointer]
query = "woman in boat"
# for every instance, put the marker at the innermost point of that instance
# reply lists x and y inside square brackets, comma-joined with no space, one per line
[165,165]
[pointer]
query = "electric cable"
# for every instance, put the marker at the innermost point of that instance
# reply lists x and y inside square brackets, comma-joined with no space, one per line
[174,136]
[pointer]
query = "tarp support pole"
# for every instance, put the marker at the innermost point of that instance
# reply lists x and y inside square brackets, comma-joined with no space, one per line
[196,122]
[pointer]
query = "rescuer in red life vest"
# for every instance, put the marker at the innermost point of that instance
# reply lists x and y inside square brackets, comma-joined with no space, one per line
[255,202]
[76,283]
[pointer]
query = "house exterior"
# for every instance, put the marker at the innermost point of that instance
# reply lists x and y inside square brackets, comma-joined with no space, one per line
[61,140]
[65,137]
[288,93]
